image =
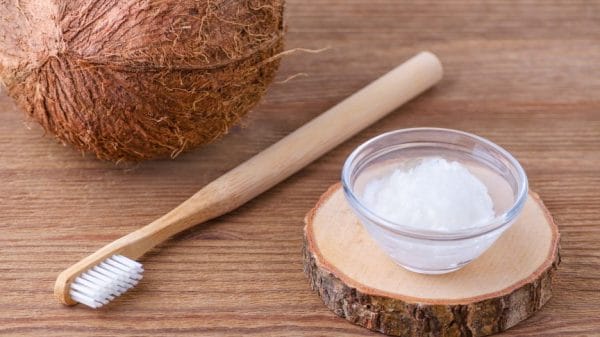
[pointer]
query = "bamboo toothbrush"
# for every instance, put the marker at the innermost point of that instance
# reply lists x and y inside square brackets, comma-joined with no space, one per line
[112,270]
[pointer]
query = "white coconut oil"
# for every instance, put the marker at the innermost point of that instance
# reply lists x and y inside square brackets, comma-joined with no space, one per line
[436,194]
[432,193]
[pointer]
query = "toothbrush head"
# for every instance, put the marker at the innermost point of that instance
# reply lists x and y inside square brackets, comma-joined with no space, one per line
[101,283]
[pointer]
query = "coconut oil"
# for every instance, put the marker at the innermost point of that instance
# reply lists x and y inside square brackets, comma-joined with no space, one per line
[436,194]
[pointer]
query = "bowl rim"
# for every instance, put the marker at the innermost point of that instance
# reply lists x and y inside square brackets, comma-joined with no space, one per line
[506,218]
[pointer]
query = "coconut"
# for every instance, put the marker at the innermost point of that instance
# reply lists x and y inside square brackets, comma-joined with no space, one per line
[138,79]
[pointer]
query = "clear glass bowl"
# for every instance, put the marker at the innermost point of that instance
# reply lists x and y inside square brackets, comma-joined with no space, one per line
[429,251]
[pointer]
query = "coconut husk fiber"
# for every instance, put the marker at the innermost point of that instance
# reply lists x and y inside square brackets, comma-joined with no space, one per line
[138,79]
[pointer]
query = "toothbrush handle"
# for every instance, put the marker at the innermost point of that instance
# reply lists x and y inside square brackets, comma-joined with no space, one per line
[295,151]
[274,164]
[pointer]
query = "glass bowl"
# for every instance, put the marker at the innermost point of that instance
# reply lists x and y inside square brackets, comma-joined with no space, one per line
[435,251]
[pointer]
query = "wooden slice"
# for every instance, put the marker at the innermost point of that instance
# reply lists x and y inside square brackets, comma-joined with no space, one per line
[359,282]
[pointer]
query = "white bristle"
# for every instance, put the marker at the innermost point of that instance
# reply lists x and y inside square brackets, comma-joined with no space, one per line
[101,284]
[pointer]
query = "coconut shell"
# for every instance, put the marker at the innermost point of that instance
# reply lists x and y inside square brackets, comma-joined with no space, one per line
[138,79]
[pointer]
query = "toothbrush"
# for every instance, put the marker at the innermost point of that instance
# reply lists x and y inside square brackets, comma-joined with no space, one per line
[111,271]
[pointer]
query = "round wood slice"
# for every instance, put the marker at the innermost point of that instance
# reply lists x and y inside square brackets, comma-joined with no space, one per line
[359,282]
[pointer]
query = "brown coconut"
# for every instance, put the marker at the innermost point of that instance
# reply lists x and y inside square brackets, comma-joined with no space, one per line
[138,79]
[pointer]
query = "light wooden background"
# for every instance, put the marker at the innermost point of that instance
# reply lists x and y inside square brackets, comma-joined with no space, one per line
[525,74]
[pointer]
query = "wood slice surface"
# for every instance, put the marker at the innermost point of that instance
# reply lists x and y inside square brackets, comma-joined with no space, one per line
[359,282]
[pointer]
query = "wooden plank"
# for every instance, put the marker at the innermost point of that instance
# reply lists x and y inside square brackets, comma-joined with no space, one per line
[524,74]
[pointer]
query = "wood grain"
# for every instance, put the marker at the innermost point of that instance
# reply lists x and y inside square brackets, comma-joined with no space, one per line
[523,73]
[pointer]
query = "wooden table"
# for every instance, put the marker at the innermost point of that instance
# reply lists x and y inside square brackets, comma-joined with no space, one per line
[526,75]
